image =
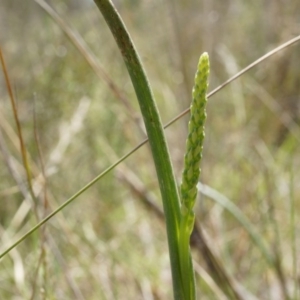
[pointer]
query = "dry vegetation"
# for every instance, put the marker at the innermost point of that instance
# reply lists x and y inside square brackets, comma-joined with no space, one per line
[73,92]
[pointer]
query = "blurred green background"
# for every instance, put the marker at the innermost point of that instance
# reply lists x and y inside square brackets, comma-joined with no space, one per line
[111,242]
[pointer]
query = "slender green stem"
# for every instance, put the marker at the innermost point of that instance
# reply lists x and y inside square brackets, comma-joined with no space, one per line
[293,233]
[186,265]
[155,133]
[191,172]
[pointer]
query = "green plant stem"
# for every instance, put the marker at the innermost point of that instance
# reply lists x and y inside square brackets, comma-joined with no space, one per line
[186,265]
[191,172]
[155,133]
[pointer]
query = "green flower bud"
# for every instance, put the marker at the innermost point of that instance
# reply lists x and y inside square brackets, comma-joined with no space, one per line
[194,143]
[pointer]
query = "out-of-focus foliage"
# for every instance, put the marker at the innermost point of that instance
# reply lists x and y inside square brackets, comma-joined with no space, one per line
[108,244]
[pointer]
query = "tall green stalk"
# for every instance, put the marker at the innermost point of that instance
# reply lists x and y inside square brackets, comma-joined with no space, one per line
[191,172]
[166,178]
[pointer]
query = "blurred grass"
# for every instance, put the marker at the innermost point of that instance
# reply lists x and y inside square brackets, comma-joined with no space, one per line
[107,244]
